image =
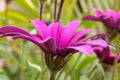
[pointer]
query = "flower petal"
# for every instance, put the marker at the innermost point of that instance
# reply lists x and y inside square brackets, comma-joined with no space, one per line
[78,35]
[37,37]
[13,29]
[42,28]
[49,46]
[98,42]
[87,49]
[90,37]
[31,39]
[55,30]
[91,17]
[69,32]
[112,13]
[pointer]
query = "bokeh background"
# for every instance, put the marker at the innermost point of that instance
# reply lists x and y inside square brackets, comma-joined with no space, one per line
[22,60]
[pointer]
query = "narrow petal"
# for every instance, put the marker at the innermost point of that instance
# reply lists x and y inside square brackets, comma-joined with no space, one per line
[91,17]
[69,32]
[49,46]
[55,31]
[84,48]
[78,36]
[28,38]
[13,29]
[98,42]
[42,28]
[90,37]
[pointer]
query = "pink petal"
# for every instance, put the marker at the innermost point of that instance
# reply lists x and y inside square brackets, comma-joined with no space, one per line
[55,30]
[98,42]
[91,17]
[84,48]
[13,29]
[28,38]
[37,37]
[42,28]
[112,13]
[90,37]
[49,46]
[78,36]
[69,32]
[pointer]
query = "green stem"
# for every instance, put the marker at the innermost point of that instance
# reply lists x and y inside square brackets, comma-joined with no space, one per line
[93,69]
[53,75]
[115,68]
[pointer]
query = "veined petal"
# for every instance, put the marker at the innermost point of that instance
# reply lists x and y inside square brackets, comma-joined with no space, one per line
[28,38]
[42,28]
[87,49]
[79,35]
[49,45]
[55,30]
[98,42]
[85,39]
[69,32]
[37,37]
[13,29]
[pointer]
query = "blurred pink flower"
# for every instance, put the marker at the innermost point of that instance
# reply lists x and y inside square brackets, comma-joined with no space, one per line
[110,19]
[106,56]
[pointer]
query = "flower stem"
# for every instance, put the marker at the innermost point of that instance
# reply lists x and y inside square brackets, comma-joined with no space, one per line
[52,75]
[60,9]
[41,9]
[93,69]
[55,9]
[115,68]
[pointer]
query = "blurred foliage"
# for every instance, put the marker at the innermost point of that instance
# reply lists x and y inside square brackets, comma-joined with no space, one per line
[24,61]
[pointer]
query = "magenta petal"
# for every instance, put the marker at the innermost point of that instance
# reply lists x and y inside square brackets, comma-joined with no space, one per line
[78,36]
[31,39]
[13,29]
[97,35]
[91,17]
[49,46]
[69,32]
[55,30]
[112,13]
[37,37]
[42,28]
[84,48]
[99,12]
[98,42]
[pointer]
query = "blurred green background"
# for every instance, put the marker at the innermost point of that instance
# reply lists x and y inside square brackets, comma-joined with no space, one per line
[22,60]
